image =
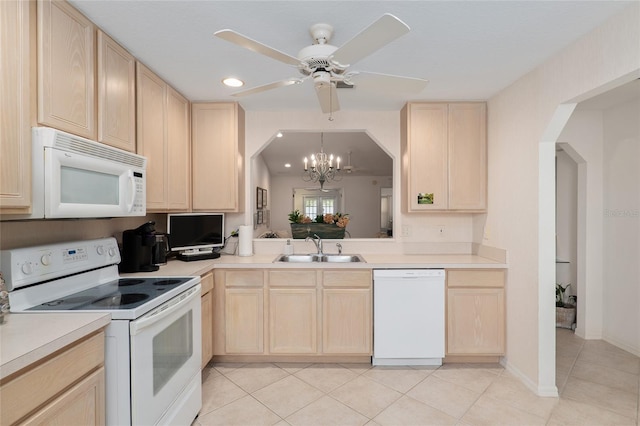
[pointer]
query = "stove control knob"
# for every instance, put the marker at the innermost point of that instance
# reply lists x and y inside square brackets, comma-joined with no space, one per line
[100,250]
[26,268]
[112,251]
[46,259]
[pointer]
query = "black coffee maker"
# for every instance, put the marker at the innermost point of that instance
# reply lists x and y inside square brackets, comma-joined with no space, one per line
[137,249]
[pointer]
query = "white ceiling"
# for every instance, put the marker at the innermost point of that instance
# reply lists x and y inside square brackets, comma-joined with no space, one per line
[466,49]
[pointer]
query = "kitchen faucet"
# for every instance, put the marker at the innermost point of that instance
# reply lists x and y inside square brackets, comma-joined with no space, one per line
[317,241]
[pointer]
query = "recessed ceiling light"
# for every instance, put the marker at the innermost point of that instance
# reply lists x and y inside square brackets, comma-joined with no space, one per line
[233,82]
[279,135]
[287,165]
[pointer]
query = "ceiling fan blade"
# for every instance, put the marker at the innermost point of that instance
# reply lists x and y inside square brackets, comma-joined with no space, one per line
[255,46]
[381,32]
[269,86]
[328,97]
[371,80]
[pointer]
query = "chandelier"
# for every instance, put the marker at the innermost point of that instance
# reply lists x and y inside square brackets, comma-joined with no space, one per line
[321,168]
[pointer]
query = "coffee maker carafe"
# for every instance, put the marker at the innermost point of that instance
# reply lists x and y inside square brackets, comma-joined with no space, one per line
[137,249]
[161,249]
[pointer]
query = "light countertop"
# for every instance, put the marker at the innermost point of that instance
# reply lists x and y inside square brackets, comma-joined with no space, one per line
[26,338]
[373,261]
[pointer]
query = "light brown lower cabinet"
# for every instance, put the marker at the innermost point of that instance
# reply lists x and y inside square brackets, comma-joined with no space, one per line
[347,312]
[206,281]
[293,314]
[83,404]
[279,312]
[475,313]
[243,310]
[66,389]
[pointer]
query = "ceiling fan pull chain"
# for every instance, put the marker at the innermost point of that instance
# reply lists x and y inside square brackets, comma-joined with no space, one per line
[330,101]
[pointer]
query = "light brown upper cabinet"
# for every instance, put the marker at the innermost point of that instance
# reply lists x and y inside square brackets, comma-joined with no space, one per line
[218,157]
[163,137]
[444,157]
[116,94]
[17,103]
[66,69]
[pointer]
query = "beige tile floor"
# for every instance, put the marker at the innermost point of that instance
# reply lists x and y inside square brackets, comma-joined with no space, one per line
[598,385]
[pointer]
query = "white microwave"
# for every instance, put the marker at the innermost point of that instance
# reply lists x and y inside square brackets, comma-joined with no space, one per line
[74,177]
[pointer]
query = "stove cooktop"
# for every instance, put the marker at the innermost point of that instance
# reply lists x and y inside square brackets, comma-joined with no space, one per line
[124,294]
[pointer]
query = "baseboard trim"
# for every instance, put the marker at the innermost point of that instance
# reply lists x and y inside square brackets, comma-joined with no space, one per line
[318,359]
[544,391]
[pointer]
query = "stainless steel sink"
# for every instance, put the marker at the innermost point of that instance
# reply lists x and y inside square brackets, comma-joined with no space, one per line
[316,258]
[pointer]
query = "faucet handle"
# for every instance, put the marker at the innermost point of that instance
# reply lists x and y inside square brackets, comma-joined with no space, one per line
[339,248]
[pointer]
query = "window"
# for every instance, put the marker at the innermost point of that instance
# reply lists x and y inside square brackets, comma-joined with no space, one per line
[319,205]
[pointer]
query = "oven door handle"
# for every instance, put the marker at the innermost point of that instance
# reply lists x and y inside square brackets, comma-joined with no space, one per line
[163,311]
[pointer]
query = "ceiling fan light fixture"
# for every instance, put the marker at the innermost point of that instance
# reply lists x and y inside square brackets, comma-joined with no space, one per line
[232,82]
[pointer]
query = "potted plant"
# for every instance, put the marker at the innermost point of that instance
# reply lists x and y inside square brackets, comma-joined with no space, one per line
[565,312]
[331,226]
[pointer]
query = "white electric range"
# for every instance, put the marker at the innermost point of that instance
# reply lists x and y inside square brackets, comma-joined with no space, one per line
[153,343]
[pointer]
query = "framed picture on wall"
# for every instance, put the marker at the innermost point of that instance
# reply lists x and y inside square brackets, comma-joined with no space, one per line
[259,199]
[264,198]
[259,217]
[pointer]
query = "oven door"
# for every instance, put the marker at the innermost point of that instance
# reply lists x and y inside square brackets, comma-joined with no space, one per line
[78,185]
[165,356]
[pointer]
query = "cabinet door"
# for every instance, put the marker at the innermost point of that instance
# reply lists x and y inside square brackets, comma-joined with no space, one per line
[244,320]
[207,318]
[66,69]
[346,321]
[218,157]
[292,320]
[116,94]
[178,151]
[467,156]
[475,321]
[83,404]
[151,114]
[16,101]
[426,156]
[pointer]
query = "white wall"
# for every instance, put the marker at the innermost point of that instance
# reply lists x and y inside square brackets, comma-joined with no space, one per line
[621,297]
[518,119]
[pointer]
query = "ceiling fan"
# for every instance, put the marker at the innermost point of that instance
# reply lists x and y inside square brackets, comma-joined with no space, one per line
[328,65]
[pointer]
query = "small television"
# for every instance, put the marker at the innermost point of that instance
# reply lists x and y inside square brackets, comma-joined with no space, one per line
[193,233]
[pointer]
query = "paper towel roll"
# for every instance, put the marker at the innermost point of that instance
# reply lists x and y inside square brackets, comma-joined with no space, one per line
[245,240]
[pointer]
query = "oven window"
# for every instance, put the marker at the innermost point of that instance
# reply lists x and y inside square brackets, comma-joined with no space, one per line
[172,348]
[79,186]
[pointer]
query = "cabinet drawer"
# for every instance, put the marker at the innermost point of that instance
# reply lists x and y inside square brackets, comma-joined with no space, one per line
[300,278]
[351,278]
[32,389]
[242,278]
[475,278]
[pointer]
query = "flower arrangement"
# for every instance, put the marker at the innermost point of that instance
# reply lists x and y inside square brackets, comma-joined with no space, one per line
[339,219]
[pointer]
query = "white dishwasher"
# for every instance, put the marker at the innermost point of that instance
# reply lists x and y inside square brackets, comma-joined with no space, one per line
[408,316]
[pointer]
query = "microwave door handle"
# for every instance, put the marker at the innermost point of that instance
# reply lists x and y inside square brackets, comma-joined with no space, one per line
[132,191]
[144,322]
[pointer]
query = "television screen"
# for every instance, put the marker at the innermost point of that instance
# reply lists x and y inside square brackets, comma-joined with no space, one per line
[193,231]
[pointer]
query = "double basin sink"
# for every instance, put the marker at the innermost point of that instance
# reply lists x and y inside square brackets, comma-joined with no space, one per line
[317,258]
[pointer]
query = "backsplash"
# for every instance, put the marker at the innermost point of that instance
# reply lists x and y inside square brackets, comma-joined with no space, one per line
[36,232]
